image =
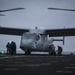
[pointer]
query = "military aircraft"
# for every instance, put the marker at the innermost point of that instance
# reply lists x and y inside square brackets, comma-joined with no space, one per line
[37,39]
[19,8]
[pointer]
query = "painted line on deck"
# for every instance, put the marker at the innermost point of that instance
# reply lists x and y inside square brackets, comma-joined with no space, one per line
[69,67]
[19,62]
[41,64]
[1,64]
[61,71]
[72,64]
[10,69]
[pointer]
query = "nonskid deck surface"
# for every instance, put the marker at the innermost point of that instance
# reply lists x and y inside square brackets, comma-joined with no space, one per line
[37,65]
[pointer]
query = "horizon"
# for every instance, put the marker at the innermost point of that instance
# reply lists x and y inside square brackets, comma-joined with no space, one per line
[42,52]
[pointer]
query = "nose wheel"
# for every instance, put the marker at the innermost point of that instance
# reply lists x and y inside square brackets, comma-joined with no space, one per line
[27,52]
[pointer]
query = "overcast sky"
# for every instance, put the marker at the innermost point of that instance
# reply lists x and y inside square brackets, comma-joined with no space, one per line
[37,14]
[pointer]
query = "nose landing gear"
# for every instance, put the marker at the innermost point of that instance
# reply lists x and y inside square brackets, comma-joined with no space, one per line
[27,52]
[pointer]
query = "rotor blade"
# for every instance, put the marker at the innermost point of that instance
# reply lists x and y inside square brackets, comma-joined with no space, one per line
[2,15]
[62,9]
[12,9]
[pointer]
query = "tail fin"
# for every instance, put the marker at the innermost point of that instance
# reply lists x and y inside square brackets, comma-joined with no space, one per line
[63,40]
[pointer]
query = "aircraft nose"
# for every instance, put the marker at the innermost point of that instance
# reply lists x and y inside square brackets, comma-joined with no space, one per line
[27,43]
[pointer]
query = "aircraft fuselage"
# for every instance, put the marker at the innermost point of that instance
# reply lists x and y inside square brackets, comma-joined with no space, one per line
[35,42]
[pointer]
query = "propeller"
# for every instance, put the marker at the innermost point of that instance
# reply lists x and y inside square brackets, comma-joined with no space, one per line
[12,9]
[61,9]
[2,15]
[20,8]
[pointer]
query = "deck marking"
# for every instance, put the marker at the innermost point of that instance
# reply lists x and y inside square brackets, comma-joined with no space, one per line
[12,69]
[69,67]
[1,64]
[61,71]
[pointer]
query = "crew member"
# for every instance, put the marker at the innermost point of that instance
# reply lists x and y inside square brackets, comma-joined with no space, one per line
[13,47]
[59,51]
[8,48]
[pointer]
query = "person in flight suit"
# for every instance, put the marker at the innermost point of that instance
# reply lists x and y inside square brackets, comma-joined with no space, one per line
[13,48]
[8,48]
[59,51]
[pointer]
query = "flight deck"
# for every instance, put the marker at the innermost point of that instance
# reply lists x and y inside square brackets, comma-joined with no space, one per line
[37,65]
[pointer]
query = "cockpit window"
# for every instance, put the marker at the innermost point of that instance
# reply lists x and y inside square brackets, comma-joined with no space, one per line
[30,36]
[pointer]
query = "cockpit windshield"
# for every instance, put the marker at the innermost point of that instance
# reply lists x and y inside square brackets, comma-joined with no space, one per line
[30,36]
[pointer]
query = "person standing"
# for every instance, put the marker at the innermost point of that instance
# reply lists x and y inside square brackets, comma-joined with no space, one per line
[8,48]
[59,51]
[13,47]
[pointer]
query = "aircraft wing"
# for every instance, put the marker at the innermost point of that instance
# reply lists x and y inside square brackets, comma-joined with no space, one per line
[51,32]
[60,32]
[12,31]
